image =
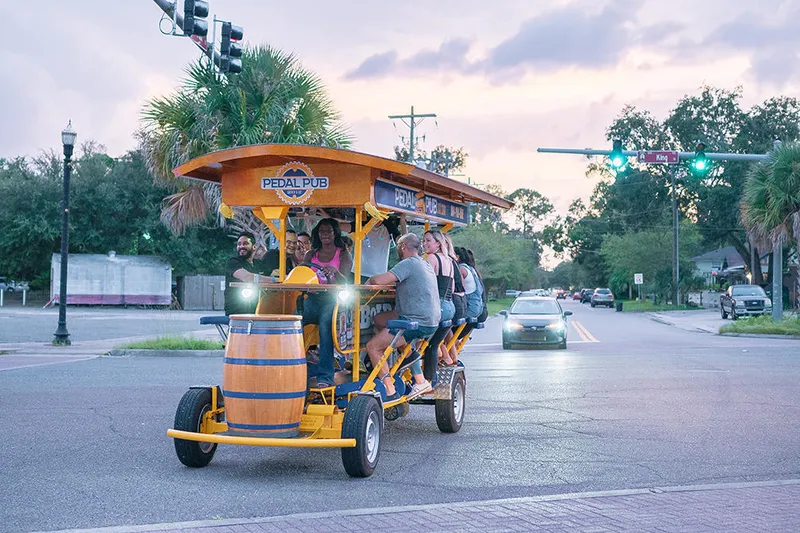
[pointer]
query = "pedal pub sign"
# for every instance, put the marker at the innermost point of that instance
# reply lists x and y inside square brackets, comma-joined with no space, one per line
[407,200]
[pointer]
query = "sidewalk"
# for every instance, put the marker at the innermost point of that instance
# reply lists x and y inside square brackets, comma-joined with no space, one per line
[764,506]
[700,321]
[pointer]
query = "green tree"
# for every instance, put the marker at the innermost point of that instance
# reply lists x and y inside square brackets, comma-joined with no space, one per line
[770,207]
[648,252]
[273,100]
[114,203]
[442,159]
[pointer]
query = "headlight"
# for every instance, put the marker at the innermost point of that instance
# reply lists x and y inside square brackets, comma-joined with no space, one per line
[511,326]
[738,304]
[248,293]
[346,295]
[767,303]
[556,326]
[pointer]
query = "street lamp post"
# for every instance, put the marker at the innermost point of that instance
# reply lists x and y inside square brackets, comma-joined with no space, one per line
[61,336]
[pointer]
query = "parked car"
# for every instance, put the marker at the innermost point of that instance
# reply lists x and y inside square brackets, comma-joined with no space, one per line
[576,295]
[535,320]
[744,300]
[512,294]
[602,296]
[586,295]
[10,285]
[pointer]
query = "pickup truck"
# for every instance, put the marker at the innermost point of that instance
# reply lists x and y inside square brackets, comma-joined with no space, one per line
[744,300]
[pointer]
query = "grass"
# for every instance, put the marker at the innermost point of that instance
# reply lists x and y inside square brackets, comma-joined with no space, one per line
[763,324]
[647,306]
[174,343]
[499,304]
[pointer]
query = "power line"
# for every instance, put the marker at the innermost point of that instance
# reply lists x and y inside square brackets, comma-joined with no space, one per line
[412,123]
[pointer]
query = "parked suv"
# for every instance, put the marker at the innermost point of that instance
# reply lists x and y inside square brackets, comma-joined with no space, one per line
[744,300]
[602,296]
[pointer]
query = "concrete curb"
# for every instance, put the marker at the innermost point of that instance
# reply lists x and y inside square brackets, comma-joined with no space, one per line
[225,524]
[167,353]
[761,336]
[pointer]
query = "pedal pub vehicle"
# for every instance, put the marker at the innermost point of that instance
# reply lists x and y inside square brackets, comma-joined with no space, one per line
[264,399]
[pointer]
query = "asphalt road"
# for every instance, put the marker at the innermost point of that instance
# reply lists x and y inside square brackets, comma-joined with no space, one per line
[632,403]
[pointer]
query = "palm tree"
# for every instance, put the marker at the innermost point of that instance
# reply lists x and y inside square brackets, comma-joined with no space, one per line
[770,209]
[273,100]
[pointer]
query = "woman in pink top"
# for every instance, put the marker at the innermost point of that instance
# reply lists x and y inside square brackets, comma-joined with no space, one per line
[327,251]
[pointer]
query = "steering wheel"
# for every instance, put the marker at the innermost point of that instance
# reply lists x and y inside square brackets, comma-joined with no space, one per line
[321,276]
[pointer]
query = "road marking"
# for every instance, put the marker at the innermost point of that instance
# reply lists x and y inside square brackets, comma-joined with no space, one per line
[583,332]
[578,330]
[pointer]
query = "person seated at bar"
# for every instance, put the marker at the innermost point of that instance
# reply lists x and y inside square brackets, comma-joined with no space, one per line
[329,253]
[273,257]
[247,266]
[416,299]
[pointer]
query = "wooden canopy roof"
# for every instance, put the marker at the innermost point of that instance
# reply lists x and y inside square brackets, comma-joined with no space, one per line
[213,166]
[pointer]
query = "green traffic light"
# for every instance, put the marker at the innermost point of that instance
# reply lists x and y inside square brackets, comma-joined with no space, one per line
[700,165]
[618,161]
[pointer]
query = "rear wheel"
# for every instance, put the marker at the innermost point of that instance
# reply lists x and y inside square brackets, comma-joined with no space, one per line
[734,316]
[722,312]
[593,304]
[363,421]
[189,416]
[450,413]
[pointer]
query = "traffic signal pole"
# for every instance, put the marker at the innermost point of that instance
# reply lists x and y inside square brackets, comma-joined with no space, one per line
[169,9]
[676,157]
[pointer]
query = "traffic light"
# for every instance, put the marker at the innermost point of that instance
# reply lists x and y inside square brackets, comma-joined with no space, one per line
[194,14]
[617,157]
[701,163]
[230,51]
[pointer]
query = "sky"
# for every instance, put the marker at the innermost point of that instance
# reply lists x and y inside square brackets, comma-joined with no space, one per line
[504,77]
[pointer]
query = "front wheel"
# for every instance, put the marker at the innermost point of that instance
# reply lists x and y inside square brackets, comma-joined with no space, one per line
[593,304]
[506,345]
[189,417]
[563,345]
[450,413]
[363,421]
[722,312]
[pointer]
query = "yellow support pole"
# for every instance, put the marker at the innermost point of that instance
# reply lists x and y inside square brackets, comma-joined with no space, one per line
[282,249]
[357,303]
[262,441]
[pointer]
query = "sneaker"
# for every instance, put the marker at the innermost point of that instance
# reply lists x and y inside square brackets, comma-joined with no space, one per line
[418,389]
[412,358]
[323,385]
[393,397]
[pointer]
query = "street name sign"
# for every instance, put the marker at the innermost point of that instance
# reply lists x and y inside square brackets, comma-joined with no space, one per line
[638,279]
[664,157]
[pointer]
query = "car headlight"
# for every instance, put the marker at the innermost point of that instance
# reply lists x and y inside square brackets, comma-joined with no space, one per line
[512,326]
[767,303]
[556,326]
[738,304]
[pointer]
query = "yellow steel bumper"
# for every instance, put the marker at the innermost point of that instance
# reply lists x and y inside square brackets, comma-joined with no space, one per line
[298,442]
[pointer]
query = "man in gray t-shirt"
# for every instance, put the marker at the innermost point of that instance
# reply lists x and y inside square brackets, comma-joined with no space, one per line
[417,299]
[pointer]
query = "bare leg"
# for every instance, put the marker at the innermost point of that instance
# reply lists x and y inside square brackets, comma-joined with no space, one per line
[375,348]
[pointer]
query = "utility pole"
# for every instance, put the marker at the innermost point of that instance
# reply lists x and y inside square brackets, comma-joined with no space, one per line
[412,123]
[676,274]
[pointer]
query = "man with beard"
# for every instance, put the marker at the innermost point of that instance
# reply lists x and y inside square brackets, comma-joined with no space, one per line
[247,264]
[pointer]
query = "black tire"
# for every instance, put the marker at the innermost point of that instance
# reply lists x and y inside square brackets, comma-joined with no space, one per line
[194,404]
[363,421]
[722,312]
[734,316]
[450,413]
[506,345]
[593,304]
[562,346]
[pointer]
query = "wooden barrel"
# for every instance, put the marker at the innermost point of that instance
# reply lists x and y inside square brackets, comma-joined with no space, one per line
[264,375]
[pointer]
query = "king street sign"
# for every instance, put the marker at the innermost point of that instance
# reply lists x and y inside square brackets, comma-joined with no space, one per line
[664,157]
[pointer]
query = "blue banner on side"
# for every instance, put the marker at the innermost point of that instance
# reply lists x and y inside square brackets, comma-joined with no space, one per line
[405,200]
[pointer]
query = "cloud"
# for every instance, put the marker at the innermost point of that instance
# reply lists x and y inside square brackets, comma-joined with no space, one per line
[451,55]
[770,41]
[574,35]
